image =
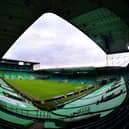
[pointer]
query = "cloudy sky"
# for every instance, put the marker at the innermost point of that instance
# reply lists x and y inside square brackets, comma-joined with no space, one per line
[54,42]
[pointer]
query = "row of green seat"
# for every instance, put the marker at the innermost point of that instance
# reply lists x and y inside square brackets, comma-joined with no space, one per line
[15,75]
[15,120]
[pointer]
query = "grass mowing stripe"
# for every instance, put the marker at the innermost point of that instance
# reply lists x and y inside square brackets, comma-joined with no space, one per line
[44,89]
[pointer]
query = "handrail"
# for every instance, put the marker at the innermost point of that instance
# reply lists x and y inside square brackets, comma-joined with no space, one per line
[25,112]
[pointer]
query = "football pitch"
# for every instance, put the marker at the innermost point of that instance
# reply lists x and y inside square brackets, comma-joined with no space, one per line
[45,89]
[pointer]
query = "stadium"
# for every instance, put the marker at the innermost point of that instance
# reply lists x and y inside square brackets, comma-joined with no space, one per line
[46,90]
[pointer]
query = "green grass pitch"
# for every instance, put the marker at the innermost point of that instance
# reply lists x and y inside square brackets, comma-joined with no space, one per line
[44,89]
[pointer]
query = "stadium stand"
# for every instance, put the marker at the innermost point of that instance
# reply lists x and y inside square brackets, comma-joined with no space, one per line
[104,95]
[90,107]
[107,23]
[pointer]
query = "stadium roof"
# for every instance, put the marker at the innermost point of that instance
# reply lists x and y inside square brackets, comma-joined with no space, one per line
[69,70]
[108,20]
[18,62]
[79,70]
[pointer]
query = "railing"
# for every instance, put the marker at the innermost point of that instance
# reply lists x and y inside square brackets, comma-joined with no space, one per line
[24,112]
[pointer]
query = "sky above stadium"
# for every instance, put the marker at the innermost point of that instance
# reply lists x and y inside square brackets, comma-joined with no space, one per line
[54,42]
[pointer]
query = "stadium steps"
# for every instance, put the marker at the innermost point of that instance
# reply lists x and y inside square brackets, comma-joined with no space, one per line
[107,122]
[102,124]
[113,120]
[36,125]
[13,120]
